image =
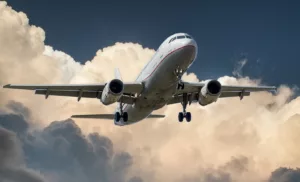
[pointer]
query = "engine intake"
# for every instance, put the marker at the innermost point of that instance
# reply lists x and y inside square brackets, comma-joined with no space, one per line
[210,92]
[112,92]
[214,87]
[116,86]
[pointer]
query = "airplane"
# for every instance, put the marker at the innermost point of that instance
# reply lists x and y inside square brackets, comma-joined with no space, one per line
[158,84]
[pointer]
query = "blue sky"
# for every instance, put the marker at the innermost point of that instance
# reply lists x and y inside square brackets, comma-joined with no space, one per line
[267,33]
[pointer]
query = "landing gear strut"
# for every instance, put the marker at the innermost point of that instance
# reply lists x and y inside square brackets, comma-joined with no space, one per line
[179,72]
[180,85]
[184,114]
[121,114]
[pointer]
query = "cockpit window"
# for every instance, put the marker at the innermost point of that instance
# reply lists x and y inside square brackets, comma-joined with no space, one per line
[172,39]
[181,37]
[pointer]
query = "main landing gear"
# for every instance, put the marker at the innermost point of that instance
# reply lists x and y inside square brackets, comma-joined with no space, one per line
[121,114]
[184,114]
[187,115]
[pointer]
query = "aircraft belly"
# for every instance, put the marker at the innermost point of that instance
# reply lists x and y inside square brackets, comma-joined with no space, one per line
[163,82]
[136,114]
[160,86]
[163,76]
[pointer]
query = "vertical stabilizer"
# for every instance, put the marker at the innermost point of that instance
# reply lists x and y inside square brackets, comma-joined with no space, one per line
[118,74]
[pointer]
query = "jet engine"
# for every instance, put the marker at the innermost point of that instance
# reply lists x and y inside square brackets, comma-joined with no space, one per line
[210,92]
[112,92]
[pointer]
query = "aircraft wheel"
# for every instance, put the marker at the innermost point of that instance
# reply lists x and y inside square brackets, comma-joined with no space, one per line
[180,117]
[117,116]
[188,117]
[125,116]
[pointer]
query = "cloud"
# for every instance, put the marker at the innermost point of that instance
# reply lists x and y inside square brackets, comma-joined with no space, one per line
[239,67]
[285,175]
[61,152]
[230,140]
[12,167]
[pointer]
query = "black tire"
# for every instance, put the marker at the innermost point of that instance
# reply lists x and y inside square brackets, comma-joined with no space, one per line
[180,117]
[125,116]
[188,117]
[117,116]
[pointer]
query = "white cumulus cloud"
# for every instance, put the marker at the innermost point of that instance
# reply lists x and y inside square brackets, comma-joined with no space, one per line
[230,140]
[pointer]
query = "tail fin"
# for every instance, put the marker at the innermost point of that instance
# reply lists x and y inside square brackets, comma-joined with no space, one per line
[118,74]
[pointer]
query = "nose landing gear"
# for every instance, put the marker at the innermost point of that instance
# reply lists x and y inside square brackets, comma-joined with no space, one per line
[178,72]
[184,114]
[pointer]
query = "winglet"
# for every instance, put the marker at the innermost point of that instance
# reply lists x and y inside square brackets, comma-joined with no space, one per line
[6,86]
[117,74]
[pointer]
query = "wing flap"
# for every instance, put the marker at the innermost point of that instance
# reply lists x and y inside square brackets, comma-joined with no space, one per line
[192,87]
[70,93]
[194,96]
[233,94]
[226,88]
[94,116]
[156,116]
[76,93]
[129,87]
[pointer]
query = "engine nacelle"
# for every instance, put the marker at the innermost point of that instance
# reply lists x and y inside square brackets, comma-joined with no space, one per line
[112,92]
[210,92]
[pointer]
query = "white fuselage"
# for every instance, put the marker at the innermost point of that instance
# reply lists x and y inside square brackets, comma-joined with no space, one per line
[160,81]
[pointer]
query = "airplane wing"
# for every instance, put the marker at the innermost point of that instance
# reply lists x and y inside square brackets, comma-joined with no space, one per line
[226,91]
[195,87]
[80,90]
[109,116]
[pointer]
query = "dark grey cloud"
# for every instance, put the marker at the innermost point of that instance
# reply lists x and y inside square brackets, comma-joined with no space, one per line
[12,168]
[209,176]
[135,179]
[283,174]
[60,152]
[19,108]
[14,122]
[218,176]
[237,164]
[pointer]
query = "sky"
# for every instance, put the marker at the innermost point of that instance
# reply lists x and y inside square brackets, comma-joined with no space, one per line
[253,140]
[265,33]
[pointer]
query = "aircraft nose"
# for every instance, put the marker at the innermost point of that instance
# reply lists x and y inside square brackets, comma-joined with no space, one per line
[187,42]
[191,42]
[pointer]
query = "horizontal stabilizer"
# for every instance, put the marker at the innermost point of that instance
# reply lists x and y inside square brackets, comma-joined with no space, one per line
[156,116]
[109,116]
[94,116]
